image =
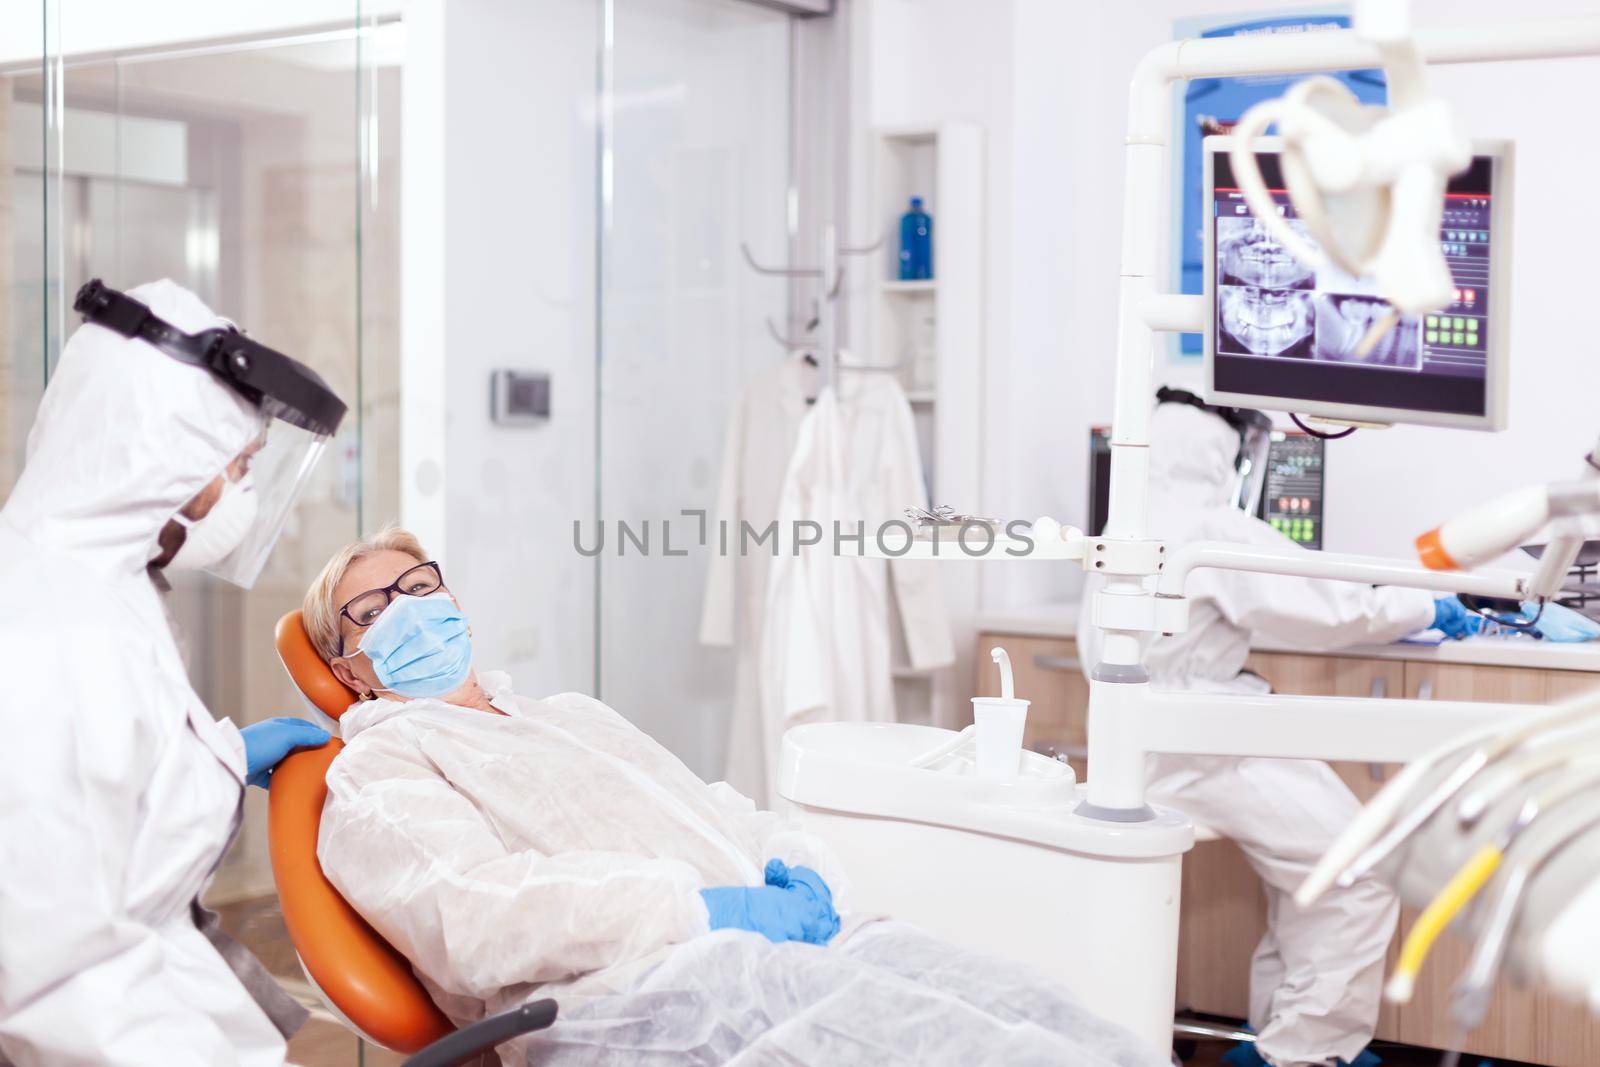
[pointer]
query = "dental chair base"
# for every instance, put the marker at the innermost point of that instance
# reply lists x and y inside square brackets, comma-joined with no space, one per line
[468,1044]
[1006,868]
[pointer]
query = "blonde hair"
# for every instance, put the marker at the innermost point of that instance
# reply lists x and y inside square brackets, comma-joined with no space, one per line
[319,613]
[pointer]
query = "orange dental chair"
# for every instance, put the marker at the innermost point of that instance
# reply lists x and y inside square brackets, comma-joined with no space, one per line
[358,974]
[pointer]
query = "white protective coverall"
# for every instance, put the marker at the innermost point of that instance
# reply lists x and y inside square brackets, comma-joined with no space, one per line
[1317,973]
[827,644]
[557,850]
[121,792]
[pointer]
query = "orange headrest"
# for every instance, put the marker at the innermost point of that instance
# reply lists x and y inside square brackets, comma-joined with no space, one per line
[351,963]
[306,667]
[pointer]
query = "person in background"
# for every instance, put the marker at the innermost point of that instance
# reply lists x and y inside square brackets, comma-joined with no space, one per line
[1316,976]
[122,792]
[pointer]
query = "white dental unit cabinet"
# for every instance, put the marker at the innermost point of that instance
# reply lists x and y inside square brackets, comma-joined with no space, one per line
[1223,910]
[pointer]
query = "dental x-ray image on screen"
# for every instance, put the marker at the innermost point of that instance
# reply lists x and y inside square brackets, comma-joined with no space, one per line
[1256,321]
[1269,303]
[1247,254]
[1288,335]
[1343,320]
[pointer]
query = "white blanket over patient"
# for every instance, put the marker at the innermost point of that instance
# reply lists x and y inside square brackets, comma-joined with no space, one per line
[556,850]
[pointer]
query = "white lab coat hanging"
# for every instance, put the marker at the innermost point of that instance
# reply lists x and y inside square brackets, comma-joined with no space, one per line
[763,426]
[827,649]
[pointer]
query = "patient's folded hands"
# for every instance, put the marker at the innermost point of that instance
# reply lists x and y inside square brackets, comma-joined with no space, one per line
[794,905]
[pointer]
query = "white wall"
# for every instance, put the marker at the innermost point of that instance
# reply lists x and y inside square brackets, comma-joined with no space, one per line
[1049,81]
[500,273]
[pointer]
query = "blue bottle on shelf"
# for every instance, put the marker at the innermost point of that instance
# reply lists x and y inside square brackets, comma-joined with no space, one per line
[916,243]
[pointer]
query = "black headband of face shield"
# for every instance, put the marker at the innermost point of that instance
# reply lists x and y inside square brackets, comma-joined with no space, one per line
[1243,420]
[280,386]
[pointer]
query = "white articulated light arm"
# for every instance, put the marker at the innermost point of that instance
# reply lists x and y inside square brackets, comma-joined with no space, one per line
[1367,182]
[1509,521]
[1336,566]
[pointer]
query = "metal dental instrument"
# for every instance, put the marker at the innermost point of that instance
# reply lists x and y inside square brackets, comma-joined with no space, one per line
[1469,999]
[1444,907]
[1472,877]
[1412,820]
[1556,751]
[1488,750]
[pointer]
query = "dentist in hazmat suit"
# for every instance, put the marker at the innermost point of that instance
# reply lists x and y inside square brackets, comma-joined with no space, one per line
[166,439]
[1315,977]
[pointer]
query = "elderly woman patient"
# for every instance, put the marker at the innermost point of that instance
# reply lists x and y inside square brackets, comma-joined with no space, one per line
[513,848]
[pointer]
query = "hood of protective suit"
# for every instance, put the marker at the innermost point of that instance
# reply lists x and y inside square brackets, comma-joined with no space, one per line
[125,436]
[1192,455]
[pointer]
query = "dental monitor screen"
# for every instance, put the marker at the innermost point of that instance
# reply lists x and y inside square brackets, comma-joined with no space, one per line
[1284,336]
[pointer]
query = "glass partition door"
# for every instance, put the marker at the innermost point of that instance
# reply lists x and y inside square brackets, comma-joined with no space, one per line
[697,151]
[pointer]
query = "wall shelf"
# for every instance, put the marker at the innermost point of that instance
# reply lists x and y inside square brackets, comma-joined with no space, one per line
[934,328]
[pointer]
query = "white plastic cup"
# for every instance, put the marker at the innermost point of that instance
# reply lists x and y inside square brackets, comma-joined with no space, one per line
[1000,724]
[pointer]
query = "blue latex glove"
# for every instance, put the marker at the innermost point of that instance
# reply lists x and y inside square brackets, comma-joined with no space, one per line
[1453,619]
[788,908]
[1560,623]
[266,743]
[809,883]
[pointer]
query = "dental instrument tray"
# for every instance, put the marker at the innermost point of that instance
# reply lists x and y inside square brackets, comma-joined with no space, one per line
[944,523]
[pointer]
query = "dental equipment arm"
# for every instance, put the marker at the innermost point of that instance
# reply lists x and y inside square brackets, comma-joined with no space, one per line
[1508,521]
[1339,566]
[1500,525]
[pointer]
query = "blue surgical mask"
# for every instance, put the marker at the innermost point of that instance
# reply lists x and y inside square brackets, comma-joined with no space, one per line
[419,647]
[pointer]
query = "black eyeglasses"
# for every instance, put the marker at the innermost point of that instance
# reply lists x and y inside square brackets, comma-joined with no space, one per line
[363,609]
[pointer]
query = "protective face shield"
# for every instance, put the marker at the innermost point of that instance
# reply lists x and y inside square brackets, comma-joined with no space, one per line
[299,413]
[1255,445]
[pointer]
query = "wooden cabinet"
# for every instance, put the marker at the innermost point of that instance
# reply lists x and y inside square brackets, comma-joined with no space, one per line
[1224,912]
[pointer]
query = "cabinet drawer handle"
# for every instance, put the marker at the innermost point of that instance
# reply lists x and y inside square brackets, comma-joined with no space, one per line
[1380,689]
[1058,663]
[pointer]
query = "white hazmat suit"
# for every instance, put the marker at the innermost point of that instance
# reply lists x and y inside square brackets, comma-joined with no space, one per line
[557,850]
[1316,975]
[121,792]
